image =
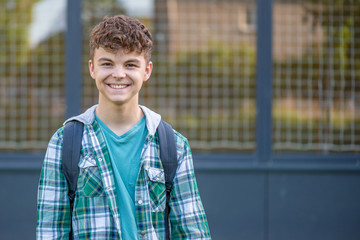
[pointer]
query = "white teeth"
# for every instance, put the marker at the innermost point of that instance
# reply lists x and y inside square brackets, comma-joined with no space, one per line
[117,86]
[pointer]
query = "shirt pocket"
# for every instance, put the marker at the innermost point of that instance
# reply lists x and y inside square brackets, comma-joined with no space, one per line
[90,177]
[157,189]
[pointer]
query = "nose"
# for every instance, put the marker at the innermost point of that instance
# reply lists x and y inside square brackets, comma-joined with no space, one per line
[119,72]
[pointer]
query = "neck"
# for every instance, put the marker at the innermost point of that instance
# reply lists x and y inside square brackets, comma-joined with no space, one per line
[119,118]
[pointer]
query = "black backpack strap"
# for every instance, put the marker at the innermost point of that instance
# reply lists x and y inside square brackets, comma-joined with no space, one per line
[72,138]
[168,156]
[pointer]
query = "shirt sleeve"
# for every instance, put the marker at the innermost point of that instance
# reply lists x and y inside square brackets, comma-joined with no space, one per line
[53,207]
[187,215]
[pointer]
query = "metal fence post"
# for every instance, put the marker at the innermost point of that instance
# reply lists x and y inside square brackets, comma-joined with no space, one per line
[264,77]
[264,81]
[73,58]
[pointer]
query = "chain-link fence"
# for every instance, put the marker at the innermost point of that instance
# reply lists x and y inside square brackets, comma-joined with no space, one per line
[31,73]
[204,76]
[316,75]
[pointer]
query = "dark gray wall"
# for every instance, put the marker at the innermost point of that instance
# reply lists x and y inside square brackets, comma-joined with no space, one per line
[241,203]
[282,205]
[18,204]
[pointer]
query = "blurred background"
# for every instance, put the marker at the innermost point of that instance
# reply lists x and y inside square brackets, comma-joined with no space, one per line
[266,91]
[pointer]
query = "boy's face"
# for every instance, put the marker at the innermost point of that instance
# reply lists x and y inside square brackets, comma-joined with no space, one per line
[119,76]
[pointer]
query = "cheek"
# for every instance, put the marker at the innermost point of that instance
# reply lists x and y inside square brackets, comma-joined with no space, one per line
[99,74]
[94,73]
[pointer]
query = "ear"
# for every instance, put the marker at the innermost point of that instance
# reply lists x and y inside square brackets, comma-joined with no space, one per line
[91,69]
[148,71]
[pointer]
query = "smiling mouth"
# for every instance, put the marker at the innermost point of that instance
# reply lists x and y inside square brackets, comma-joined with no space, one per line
[118,86]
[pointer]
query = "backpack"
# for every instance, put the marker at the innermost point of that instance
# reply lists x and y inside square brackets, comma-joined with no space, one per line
[72,138]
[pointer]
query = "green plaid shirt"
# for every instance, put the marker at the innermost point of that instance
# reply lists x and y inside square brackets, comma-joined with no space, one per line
[96,213]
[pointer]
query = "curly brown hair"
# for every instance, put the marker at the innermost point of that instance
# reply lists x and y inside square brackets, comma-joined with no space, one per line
[121,32]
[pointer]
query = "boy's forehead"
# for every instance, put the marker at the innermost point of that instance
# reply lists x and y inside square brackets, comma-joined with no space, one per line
[101,52]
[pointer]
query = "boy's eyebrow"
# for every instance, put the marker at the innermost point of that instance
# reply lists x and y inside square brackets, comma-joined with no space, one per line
[133,60]
[104,59]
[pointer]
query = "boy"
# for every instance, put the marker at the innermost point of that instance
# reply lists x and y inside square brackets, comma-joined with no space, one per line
[121,180]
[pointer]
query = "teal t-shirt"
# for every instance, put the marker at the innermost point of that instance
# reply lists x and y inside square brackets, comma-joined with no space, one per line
[125,153]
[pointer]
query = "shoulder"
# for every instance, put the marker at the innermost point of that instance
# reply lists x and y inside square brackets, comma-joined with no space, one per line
[181,139]
[183,147]
[57,137]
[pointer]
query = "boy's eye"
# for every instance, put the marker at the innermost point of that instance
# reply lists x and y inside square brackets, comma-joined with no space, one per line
[106,64]
[131,65]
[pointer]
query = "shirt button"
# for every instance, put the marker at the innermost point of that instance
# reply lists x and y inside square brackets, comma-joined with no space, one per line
[140,202]
[142,233]
[100,159]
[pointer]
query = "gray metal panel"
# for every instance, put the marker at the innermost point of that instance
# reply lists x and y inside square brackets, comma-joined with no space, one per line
[234,204]
[18,204]
[314,206]
[296,204]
